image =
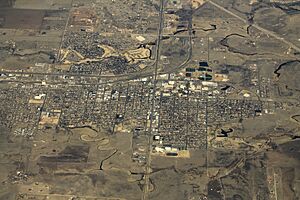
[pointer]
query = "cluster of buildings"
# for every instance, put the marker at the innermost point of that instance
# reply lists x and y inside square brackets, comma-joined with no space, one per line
[91,53]
[184,108]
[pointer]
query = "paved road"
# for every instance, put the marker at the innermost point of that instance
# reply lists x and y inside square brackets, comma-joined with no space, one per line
[64,33]
[152,111]
[156,73]
[147,72]
[268,32]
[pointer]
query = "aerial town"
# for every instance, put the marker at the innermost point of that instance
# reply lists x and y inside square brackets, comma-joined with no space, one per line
[149,99]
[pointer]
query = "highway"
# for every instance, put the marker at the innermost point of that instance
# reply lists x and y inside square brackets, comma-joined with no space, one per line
[147,72]
[152,111]
[154,80]
[268,32]
[123,77]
